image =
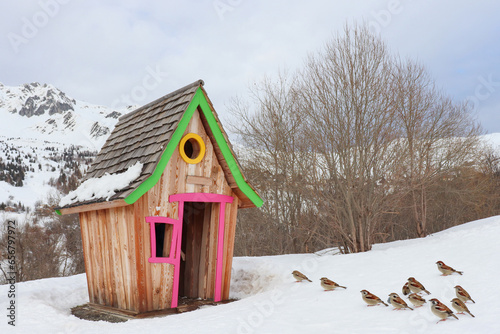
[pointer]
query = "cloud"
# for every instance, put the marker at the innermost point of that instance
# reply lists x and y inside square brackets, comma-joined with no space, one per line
[97,51]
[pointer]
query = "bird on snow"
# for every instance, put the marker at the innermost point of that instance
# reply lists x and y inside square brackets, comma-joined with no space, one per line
[415,286]
[397,302]
[299,277]
[329,285]
[441,310]
[371,299]
[462,294]
[416,300]
[447,270]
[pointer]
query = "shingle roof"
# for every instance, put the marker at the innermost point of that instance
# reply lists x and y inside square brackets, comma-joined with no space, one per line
[141,135]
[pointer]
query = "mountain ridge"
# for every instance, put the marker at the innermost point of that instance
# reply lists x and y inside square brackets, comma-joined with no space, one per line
[42,111]
[47,141]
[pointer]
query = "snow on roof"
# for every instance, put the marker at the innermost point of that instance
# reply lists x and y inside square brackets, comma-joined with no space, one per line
[102,187]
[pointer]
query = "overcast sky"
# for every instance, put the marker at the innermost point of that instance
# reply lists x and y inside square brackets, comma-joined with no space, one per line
[118,52]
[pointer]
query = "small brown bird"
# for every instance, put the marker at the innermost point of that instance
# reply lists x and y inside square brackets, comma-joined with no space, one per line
[406,289]
[441,310]
[371,299]
[415,286]
[460,307]
[416,300]
[299,277]
[329,285]
[447,270]
[462,294]
[397,302]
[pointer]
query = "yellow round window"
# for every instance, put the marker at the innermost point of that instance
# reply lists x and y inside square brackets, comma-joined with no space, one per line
[192,148]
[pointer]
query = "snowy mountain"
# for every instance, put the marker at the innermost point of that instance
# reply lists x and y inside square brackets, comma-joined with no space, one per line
[44,112]
[31,170]
[46,137]
[271,302]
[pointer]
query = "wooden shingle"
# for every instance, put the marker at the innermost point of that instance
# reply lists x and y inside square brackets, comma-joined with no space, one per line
[141,135]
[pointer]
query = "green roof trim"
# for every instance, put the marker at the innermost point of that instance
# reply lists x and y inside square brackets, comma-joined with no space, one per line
[198,100]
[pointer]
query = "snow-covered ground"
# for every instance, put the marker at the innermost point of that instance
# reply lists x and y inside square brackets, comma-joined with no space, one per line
[271,302]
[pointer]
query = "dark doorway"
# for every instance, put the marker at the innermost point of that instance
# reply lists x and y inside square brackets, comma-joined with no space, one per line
[195,232]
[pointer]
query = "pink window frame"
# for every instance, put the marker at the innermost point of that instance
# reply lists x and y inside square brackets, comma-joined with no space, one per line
[174,252]
[175,247]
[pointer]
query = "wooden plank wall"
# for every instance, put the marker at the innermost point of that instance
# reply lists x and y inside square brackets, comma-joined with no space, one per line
[109,257]
[117,240]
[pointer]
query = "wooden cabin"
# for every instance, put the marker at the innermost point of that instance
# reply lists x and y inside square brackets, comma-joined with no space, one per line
[167,231]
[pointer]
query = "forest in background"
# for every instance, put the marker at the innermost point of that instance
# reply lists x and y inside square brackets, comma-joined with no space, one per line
[358,147]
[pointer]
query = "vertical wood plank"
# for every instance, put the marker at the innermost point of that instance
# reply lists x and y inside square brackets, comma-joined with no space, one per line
[220,252]
[127,240]
[214,230]
[121,276]
[204,252]
[229,244]
[162,201]
[142,253]
[96,256]
[89,265]
[104,243]
[115,252]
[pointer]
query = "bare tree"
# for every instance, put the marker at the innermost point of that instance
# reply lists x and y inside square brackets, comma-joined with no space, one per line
[278,161]
[440,137]
[356,148]
[346,93]
[46,245]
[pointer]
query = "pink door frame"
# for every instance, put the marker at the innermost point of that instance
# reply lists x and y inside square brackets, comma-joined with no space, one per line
[175,257]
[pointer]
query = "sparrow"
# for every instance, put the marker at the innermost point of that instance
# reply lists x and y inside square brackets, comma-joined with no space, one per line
[371,299]
[299,277]
[462,294]
[397,302]
[447,270]
[441,310]
[329,285]
[406,289]
[460,307]
[415,286]
[416,300]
